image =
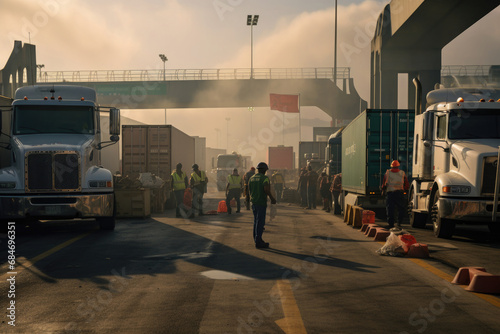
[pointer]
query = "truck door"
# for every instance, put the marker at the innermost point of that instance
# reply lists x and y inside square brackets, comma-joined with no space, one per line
[441,158]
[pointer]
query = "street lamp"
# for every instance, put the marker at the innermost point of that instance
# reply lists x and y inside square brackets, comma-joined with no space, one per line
[227,133]
[251,109]
[40,66]
[335,48]
[164,59]
[252,21]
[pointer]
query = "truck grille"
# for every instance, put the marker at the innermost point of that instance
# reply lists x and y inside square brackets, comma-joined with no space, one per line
[489,175]
[52,171]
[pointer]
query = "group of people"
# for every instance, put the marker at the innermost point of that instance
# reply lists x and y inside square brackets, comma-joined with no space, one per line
[257,188]
[394,186]
[197,182]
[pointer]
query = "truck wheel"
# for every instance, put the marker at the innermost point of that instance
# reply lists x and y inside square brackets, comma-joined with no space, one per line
[417,219]
[494,228]
[443,228]
[106,223]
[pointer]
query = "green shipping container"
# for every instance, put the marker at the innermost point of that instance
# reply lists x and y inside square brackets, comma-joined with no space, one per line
[369,144]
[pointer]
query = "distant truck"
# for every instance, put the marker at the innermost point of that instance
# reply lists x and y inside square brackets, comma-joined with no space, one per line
[225,165]
[455,162]
[333,154]
[312,153]
[280,157]
[369,144]
[50,165]
[156,149]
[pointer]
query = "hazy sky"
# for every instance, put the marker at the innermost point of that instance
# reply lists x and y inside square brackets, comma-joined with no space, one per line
[199,34]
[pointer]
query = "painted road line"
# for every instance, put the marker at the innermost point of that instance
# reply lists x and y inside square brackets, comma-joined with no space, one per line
[292,323]
[23,263]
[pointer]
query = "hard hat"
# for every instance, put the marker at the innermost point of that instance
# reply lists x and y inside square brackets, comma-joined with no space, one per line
[253,168]
[179,165]
[195,166]
[395,163]
[262,165]
[235,170]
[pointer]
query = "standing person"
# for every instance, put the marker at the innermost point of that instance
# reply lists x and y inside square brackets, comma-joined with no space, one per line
[312,187]
[233,190]
[394,185]
[278,182]
[324,189]
[198,182]
[302,188]
[246,178]
[259,188]
[336,190]
[179,185]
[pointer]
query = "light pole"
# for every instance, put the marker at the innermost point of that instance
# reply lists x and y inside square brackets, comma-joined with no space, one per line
[335,48]
[227,133]
[252,21]
[40,66]
[251,109]
[164,60]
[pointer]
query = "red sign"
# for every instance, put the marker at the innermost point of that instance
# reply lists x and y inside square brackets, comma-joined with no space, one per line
[285,103]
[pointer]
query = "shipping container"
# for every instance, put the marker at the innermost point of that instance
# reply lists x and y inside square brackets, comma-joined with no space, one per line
[155,149]
[369,144]
[280,157]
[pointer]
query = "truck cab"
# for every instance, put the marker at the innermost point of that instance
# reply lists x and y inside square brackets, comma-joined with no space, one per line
[455,159]
[50,166]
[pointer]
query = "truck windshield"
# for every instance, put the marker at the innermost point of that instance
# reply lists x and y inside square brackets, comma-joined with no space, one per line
[53,119]
[228,161]
[472,124]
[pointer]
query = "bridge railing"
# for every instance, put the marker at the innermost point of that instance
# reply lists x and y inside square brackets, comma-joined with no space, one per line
[465,70]
[193,74]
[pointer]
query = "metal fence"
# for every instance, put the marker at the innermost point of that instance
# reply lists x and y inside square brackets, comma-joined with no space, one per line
[466,70]
[192,74]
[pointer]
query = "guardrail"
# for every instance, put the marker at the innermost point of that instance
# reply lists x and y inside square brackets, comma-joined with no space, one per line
[192,74]
[467,70]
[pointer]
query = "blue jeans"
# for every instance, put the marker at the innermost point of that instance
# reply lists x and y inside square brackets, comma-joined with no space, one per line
[259,220]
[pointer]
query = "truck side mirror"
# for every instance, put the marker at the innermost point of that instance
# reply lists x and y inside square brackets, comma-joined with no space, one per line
[114,122]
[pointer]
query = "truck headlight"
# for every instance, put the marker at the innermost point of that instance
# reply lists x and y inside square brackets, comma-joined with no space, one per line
[100,184]
[7,185]
[456,189]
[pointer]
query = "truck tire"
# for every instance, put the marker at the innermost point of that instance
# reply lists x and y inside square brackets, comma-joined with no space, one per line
[443,228]
[417,219]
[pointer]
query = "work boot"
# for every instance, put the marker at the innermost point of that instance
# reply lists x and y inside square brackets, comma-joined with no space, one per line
[262,244]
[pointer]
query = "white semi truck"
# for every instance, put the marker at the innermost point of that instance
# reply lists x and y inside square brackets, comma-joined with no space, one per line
[50,156]
[455,160]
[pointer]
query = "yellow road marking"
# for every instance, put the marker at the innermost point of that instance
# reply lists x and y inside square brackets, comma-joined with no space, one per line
[23,263]
[292,322]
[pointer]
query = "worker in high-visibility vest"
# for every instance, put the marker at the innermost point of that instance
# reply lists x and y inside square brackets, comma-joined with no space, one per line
[278,182]
[179,185]
[198,182]
[246,178]
[394,185]
[233,190]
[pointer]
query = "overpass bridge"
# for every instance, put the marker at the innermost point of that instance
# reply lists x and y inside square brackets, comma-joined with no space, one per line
[217,88]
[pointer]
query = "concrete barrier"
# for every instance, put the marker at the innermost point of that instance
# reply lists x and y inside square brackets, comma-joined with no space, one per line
[369,227]
[357,217]
[381,234]
[418,250]
[347,213]
[478,280]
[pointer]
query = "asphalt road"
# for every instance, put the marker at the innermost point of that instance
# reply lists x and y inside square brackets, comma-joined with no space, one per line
[204,275]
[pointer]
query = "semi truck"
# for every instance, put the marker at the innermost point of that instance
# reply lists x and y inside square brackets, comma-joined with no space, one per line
[455,161]
[312,153]
[369,144]
[51,156]
[333,154]
[225,165]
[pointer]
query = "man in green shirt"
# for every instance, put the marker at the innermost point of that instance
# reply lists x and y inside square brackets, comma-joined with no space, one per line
[258,190]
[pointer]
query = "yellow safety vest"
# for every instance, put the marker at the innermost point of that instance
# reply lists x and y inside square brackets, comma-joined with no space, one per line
[395,181]
[234,181]
[179,183]
[278,178]
[197,179]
